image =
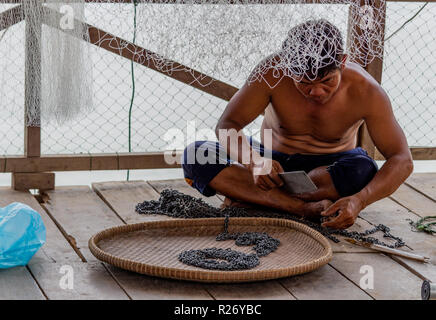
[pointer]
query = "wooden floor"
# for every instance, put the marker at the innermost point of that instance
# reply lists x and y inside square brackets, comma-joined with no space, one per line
[73,214]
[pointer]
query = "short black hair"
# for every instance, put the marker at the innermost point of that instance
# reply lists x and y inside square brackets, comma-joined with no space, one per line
[315,36]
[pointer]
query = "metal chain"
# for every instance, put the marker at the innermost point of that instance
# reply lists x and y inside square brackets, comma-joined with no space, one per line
[235,260]
[178,205]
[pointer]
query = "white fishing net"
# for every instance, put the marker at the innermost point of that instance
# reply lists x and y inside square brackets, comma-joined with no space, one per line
[58,69]
[226,40]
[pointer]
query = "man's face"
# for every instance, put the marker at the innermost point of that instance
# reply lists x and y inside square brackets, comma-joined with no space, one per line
[322,89]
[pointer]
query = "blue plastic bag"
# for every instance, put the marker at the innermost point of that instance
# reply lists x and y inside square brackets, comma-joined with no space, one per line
[22,233]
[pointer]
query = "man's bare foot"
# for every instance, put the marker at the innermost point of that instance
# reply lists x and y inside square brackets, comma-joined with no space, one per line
[228,202]
[314,209]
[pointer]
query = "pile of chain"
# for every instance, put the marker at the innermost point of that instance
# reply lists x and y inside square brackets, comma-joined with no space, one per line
[233,260]
[209,259]
[263,243]
[178,205]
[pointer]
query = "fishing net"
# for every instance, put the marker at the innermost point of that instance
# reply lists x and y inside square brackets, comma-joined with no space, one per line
[58,69]
[209,40]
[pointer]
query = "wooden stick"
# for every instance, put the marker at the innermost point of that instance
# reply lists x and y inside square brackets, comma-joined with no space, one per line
[396,252]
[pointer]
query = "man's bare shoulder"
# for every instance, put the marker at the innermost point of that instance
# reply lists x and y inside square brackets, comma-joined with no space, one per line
[362,87]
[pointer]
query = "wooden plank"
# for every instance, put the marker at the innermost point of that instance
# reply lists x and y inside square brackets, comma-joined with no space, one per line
[414,201]
[17,284]
[182,186]
[85,162]
[154,288]
[84,215]
[148,160]
[418,153]
[391,280]
[265,290]
[81,213]
[423,153]
[396,217]
[324,283]
[91,280]
[421,206]
[123,196]
[26,181]
[424,182]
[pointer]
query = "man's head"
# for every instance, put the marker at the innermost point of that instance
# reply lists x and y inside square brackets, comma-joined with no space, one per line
[315,53]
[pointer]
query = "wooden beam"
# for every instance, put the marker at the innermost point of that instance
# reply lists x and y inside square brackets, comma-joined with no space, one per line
[11,16]
[374,67]
[85,162]
[26,181]
[122,161]
[214,1]
[418,153]
[423,153]
[146,58]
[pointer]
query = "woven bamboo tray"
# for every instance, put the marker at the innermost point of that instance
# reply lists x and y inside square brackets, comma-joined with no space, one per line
[153,248]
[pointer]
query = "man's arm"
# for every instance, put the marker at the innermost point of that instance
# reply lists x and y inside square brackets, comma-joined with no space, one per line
[389,139]
[245,106]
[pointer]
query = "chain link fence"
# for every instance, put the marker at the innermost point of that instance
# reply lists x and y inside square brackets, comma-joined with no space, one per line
[409,69]
[12,88]
[161,103]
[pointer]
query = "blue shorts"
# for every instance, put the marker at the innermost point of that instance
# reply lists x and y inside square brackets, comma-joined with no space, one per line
[350,170]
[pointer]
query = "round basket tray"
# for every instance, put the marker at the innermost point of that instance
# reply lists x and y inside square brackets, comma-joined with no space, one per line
[153,248]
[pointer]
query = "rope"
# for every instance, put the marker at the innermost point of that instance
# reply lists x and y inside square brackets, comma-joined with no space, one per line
[407,21]
[135,3]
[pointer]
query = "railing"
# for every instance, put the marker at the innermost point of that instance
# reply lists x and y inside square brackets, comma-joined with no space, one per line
[38,165]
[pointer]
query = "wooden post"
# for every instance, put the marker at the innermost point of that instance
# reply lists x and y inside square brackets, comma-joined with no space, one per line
[32,87]
[32,100]
[374,68]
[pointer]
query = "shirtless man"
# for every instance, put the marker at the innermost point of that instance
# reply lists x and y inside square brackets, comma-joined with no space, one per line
[314,128]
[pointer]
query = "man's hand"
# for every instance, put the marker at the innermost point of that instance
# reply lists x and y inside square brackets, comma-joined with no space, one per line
[348,209]
[266,173]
